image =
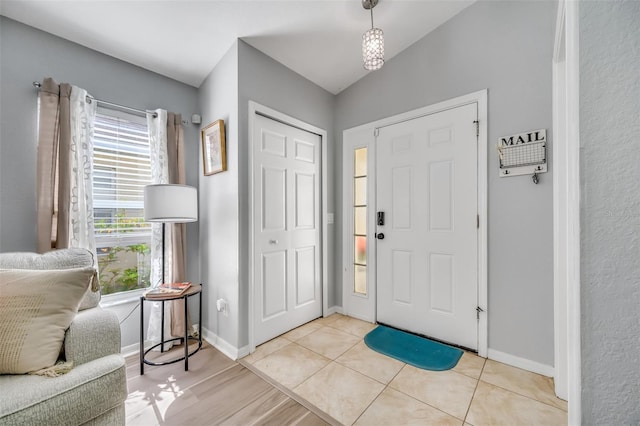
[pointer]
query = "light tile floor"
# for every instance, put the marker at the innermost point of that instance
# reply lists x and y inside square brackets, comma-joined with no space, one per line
[327,363]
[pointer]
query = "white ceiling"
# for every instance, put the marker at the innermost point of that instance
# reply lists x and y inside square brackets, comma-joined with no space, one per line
[185,39]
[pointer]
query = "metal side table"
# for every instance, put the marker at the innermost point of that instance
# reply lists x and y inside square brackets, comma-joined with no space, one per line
[193,290]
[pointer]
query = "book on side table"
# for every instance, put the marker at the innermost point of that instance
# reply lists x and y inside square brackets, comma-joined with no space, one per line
[167,290]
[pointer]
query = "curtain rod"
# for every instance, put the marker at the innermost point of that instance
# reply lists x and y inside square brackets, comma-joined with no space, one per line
[91,98]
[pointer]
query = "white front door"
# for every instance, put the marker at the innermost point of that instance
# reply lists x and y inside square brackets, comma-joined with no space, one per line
[427,263]
[286,170]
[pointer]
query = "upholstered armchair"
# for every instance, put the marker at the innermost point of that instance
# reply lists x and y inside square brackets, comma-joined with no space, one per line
[95,388]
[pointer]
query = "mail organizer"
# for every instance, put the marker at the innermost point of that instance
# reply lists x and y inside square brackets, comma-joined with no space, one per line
[523,154]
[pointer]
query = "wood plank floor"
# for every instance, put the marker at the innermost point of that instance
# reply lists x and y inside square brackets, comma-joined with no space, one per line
[215,391]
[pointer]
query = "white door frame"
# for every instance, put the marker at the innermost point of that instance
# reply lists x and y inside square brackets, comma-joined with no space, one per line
[566,209]
[560,229]
[480,98]
[256,108]
[358,306]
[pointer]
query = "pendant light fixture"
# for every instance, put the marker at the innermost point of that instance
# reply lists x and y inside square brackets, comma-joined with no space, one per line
[372,42]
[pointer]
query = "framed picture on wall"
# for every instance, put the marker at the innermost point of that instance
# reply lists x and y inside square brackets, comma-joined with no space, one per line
[213,148]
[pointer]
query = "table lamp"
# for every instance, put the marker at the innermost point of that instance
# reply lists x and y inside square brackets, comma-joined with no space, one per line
[169,203]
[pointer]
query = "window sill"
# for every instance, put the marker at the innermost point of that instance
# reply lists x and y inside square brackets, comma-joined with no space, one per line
[126,297]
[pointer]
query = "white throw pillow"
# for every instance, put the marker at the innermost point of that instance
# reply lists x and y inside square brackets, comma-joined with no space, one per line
[36,307]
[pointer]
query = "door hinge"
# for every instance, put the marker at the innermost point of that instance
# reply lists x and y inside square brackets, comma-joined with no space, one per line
[478,221]
[478,310]
[477,123]
[376,132]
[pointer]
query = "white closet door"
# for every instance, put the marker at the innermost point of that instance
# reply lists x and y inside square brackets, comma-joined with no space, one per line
[287,272]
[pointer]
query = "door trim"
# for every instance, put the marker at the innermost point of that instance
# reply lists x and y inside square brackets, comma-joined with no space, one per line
[256,108]
[560,224]
[566,209]
[362,307]
[479,98]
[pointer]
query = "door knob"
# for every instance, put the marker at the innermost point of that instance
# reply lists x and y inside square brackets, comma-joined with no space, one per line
[380,236]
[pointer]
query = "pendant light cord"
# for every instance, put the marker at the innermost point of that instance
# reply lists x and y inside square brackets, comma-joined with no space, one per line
[371,9]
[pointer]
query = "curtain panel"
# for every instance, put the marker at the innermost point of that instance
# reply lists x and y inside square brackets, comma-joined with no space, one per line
[157,125]
[54,130]
[175,155]
[82,118]
[65,167]
[166,136]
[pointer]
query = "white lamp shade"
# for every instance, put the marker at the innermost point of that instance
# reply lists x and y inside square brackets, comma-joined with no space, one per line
[170,203]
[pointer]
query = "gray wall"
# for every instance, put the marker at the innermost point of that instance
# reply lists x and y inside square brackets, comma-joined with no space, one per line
[244,74]
[505,47]
[218,99]
[267,82]
[610,211]
[28,55]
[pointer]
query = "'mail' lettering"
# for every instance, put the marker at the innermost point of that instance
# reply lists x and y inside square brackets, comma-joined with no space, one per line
[524,138]
[507,142]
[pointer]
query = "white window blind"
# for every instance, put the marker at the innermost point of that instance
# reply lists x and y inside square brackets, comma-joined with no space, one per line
[121,170]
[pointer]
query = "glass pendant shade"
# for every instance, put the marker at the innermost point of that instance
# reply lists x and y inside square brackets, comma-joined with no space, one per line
[373,49]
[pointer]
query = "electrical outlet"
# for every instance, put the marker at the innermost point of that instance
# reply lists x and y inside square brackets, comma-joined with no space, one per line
[222,307]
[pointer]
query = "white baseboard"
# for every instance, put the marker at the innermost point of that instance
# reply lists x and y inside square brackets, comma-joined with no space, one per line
[361,318]
[132,349]
[523,363]
[223,346]
[333,310]
[243,351]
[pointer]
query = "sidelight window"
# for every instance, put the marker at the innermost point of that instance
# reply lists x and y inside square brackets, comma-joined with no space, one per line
[360,221]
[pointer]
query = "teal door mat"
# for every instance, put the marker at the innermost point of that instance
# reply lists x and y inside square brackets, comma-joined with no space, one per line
[411,349]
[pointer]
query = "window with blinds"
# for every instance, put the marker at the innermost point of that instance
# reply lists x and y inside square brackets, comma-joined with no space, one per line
[121,169]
